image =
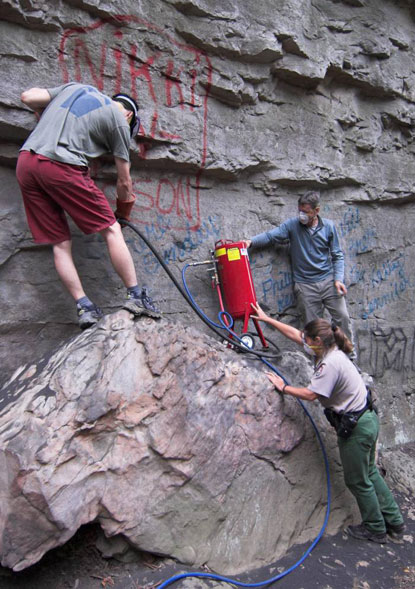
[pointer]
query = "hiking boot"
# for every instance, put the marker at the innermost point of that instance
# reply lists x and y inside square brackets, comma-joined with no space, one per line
[395,531]
[362,533]
[88,316]
[141,305]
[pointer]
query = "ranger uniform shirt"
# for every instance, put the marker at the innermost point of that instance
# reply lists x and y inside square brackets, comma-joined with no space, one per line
[79,124]
[338,383]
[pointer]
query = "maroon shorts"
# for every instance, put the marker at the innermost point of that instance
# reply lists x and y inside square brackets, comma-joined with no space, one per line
[50,189]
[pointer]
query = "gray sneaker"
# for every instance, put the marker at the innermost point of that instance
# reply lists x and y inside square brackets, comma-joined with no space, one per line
[87,316]
[141,305]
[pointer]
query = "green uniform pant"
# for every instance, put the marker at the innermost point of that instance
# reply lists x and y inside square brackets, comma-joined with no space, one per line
[377,506]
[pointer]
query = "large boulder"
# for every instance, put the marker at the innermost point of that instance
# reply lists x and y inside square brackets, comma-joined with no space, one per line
[167,438]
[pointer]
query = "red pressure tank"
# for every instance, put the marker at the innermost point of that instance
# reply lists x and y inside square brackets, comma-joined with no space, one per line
[235,277]
[235,280]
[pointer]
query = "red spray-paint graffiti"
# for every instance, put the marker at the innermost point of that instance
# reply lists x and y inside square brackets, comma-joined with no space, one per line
[171,85]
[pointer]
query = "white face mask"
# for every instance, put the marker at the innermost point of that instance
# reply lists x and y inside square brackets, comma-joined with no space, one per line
[308,350]
[303,218]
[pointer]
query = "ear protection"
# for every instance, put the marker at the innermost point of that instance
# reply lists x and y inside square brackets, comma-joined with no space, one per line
[131,105]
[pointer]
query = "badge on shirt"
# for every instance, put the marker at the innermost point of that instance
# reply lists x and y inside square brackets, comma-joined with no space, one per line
[319,370]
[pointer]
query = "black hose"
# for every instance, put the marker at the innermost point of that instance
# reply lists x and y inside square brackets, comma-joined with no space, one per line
[261,357]
[234,343]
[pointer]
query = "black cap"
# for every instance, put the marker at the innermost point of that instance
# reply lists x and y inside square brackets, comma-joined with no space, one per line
[131,105]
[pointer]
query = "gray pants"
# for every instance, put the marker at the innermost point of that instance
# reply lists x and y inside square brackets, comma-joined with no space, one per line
[314,297]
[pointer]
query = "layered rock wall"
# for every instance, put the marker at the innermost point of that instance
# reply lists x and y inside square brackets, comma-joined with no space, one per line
[244,106]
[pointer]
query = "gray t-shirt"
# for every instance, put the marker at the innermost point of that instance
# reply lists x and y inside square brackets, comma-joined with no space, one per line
[80,124]
[338,383]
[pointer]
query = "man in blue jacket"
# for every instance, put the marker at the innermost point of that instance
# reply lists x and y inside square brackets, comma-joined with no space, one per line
[317,261]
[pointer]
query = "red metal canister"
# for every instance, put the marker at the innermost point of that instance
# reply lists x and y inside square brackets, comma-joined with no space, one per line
[236,285]
[235,277]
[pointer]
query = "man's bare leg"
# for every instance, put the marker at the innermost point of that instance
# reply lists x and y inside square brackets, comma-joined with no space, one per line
[138,302]
[120,255]
[65,267]
[88,313]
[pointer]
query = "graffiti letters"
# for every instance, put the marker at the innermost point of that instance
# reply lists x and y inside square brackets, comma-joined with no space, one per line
[385,285]
[277,286]
[132,55]
[390,349]
[208,232]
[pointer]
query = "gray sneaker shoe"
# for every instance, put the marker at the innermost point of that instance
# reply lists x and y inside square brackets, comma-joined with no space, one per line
[87,316]
[142,305]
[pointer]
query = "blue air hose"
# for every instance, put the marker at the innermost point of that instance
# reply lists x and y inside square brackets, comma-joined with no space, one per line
[237,342]
[215,577]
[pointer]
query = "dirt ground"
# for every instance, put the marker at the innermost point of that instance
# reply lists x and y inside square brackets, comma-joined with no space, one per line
[337,562]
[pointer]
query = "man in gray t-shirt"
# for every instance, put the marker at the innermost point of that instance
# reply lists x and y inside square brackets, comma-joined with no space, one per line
[77,123]
[80,124]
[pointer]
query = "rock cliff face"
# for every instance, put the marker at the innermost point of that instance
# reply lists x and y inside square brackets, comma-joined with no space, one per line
[244,105]
[252,103]
[180,447]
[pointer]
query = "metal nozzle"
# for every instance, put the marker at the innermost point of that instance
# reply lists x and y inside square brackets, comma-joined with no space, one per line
[200,263]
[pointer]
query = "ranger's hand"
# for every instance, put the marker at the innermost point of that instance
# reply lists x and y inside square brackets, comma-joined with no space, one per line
[259,313]
[276,380]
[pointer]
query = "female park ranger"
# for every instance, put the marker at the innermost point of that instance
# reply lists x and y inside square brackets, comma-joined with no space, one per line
[337,384]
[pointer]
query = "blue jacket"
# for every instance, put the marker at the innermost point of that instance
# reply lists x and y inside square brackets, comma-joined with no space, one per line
[315,256]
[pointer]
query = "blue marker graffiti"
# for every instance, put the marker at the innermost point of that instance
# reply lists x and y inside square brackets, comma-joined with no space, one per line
[392,274]
[179,251]
[350,221]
